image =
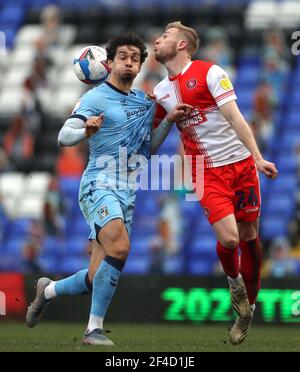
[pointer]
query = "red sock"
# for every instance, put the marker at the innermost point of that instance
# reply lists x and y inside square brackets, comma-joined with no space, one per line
[251,257]
[229,259]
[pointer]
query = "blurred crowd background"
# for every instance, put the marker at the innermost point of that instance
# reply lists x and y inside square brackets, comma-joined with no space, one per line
[41,226]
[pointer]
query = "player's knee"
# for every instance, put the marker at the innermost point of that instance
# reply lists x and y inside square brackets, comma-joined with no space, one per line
[230,242]
[117,245]
[121,252]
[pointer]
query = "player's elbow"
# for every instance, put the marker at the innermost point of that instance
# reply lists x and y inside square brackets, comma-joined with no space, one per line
[61,144]
[61,140]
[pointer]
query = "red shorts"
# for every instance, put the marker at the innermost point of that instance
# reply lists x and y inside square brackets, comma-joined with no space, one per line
[232,189]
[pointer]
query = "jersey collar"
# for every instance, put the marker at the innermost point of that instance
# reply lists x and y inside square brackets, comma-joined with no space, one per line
[186,67]
[118,90]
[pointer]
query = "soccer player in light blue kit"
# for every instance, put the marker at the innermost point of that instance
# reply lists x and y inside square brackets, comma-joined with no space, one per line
[118,122]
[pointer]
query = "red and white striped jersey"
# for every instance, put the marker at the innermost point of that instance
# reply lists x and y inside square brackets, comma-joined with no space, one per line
[205,132]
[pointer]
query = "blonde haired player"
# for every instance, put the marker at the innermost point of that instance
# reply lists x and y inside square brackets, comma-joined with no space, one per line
[217,130]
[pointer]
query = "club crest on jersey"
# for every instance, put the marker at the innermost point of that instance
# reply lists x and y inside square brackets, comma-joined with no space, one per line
[191,83]
[103,212]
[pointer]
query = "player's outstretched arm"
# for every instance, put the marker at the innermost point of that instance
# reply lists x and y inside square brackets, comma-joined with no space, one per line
[159,134]
[76,129]
[232,114]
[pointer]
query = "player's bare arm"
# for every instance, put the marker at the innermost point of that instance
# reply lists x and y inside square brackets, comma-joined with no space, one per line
[232,114]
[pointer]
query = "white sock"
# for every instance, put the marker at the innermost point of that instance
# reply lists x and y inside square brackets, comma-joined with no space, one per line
[94,323]
[50,291]
[235,280]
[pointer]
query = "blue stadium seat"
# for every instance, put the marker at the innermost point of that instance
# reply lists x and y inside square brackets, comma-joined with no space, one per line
[285,183]
[272,227]
[297,267]
[74,208]
[140,243]
[203,243]
[49,264]
[245,97]
[247,61]
[287,144]
[18,228]
[281,205]
[10,262]
[200,267]
[174,265]
[69,185]
[39,4]
[202,224]
[137,264]
[14,246]
[204,229]
[295,98]
[10,33]
[292,120]
[78,227]
[150,205]
[76,245]
[247,76]
[72,264]
[190,209]
[53,246]
[287,164]
[296,77]
[12,15]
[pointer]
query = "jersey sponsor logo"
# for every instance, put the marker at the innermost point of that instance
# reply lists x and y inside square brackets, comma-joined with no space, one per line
[196,117]
[191,83]
[138,112]
[164,98]
[225,82]
[252,210]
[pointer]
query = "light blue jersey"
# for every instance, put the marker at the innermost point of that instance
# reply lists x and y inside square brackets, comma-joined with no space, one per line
[125,132]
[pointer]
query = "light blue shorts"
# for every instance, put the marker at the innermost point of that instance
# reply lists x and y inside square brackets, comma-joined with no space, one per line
[99,206]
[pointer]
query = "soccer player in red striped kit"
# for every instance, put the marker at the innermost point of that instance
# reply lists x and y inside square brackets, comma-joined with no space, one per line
[217,130]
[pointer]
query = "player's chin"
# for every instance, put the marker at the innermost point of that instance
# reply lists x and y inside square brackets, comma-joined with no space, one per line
[159,58]
[128,76]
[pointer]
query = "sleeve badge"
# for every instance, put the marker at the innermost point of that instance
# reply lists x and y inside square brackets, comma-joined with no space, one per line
[226,83]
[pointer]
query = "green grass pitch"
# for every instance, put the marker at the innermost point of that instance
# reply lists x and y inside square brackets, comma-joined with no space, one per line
[151,338]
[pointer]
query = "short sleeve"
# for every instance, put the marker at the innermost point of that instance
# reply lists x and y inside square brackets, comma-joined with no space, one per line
[88,105]
[220,85]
